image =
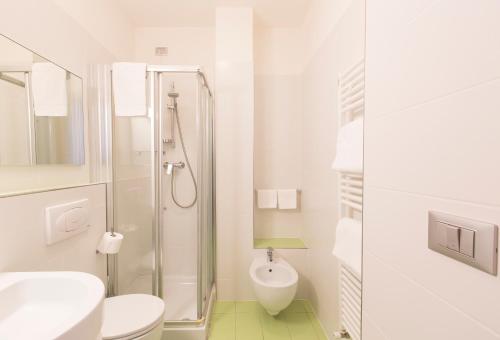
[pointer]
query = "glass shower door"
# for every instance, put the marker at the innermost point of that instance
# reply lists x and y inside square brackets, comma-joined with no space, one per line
[168,248]
[207,214]
[133,188]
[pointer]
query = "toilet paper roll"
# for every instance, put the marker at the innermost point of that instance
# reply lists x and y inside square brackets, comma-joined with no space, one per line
[110,244]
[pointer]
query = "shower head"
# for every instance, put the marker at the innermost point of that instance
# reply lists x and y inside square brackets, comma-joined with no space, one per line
[172,93]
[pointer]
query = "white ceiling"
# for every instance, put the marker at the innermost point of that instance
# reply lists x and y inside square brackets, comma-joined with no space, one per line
[168,13]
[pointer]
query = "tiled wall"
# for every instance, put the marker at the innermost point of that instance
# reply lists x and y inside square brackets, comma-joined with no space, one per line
[72,35]
[234,98]
[342,46]
[186,46]
[277,134]
[431,141]
[22,230]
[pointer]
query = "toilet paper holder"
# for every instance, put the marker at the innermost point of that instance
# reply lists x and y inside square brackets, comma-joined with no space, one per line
[110,243]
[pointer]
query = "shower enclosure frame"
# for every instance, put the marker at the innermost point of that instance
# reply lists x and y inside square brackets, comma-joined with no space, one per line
[155,89]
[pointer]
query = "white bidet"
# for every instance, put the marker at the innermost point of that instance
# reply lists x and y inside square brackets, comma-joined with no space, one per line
[274,282]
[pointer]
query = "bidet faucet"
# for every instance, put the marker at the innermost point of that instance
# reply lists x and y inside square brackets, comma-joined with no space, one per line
[270,254]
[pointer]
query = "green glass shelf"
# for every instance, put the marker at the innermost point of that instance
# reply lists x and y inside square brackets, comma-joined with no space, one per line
[279,243]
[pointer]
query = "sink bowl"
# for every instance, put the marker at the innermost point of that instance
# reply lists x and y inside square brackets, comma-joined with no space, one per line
[50,305]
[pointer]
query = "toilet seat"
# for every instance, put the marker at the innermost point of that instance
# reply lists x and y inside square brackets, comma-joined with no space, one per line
[130,316]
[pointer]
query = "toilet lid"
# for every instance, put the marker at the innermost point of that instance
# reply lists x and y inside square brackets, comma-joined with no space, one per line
[130,314]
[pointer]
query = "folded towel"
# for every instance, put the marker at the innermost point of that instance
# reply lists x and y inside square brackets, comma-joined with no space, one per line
[349,156]
[348,243]
[287,199]
[50,95]
[129,89]
[267,199]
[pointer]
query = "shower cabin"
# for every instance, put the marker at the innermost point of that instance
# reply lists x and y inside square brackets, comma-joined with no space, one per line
[163,196]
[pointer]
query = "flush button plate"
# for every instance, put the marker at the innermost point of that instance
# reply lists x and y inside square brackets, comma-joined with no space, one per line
[469,241]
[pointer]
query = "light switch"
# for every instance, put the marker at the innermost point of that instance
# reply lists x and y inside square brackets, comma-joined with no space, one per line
[467,242]
[453,238]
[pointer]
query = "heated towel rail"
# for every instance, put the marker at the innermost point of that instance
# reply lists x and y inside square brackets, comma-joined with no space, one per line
[351,94]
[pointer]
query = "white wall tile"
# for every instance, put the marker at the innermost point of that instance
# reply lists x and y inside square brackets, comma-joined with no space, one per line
[340,47]
[397,234]
[23,246]
[234,135]
[433,147]
[429,48]
[186,46]
[402,309]
[431,83]
[370,329]
[278,149]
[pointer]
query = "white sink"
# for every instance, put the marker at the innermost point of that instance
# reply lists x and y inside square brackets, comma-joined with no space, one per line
[50,305]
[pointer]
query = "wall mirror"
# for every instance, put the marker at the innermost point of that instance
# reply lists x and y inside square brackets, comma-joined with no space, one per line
[41,110]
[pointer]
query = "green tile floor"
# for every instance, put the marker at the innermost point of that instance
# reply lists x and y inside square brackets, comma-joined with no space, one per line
[247,320]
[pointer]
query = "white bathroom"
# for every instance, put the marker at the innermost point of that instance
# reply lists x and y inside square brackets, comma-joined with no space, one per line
[249,169]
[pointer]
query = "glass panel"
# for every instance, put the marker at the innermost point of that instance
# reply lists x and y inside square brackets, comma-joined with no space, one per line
[133,201]
[209,197]
[181,195]
[206,225]
[186,234]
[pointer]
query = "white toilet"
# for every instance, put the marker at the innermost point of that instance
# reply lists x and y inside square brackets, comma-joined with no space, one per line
[274,282]
[133,316]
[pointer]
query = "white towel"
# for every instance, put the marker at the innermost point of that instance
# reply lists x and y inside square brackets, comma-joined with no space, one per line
[287,199]
[349,157]
[50,95]
[129,89]
[267,199]
[348,243]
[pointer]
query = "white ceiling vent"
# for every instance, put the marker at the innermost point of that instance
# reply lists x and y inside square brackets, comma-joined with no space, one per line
[161,51]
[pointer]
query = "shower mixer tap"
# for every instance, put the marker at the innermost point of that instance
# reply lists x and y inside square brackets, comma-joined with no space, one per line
[169,141]
[171,165]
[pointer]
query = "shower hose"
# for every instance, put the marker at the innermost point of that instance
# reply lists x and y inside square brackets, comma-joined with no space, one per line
[188,163]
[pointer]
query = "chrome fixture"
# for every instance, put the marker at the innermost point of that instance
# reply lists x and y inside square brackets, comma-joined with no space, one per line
[171,165]
[341,334]
[173,95]
[12,80]
[472,242]
[270,251]
[172,109]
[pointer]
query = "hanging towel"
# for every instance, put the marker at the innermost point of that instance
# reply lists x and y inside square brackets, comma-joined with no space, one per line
[50,95]
[267,199]
[348,243]
[349,157]
[129,89]
[287,199]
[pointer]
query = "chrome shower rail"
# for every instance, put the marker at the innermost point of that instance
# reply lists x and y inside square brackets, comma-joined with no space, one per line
[181,69]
